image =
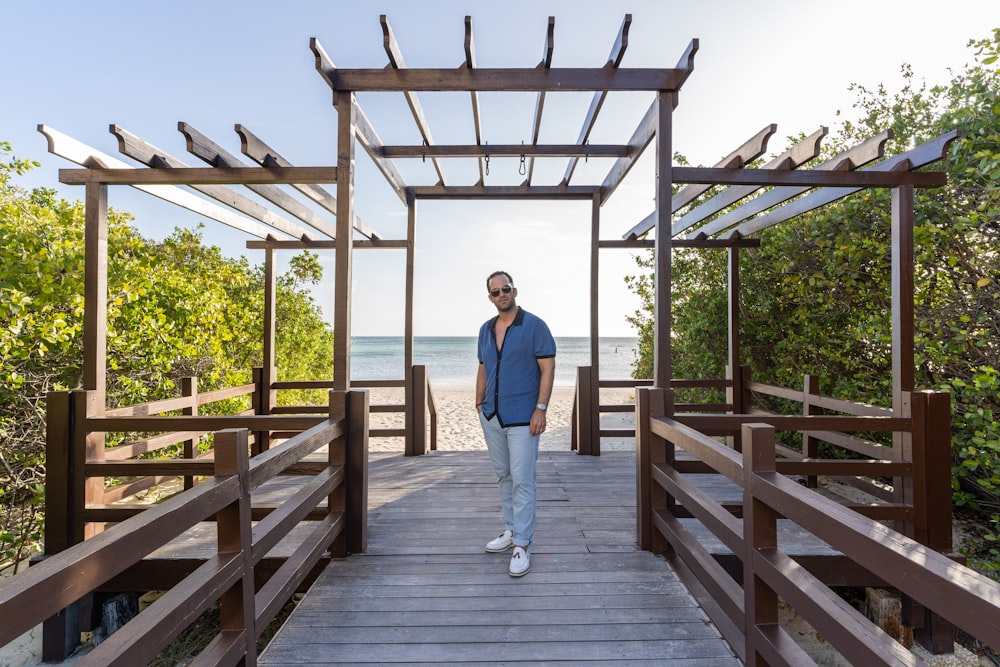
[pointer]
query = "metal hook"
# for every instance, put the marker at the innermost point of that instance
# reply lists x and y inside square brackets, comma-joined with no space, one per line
[521,169]
[486,156]
[423,156]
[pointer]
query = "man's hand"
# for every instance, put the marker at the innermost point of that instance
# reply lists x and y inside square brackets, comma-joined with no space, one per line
[537,424]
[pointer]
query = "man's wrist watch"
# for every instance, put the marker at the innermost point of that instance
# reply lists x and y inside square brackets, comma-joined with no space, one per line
[542,406]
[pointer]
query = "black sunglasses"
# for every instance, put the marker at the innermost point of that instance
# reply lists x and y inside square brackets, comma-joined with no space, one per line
[496,292]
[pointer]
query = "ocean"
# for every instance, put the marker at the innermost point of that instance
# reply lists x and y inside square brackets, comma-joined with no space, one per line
[451,360]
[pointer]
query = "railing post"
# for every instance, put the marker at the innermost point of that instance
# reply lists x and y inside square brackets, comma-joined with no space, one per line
[60,633]
[189,388]
[760,531]
[261,406]
[237,605]
[588,436]
[651,449]
[416,411]
[356,471]
[810,445]
[928,446]
[337,456]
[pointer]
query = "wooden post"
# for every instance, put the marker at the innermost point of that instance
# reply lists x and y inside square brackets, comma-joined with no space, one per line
[237,604]
[734,307]
[760,531]
[95,290]
[662,362]
[189,388]
[651,402]
[810,445]
[269,397]
[584,410]
[356,471]
[337,456]
[411,260]
[902,320]
[261,439]
[346,121]
[416,411]
[595,340]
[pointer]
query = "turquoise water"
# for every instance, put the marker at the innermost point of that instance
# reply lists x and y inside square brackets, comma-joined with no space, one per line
[451,360]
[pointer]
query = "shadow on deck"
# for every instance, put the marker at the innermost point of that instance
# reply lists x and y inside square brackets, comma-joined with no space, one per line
[425,591]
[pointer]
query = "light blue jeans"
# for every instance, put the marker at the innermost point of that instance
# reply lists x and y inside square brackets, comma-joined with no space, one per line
[514,452]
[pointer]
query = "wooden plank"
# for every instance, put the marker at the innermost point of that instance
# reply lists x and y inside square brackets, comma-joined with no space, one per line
[536,124]
[504,192]
[254,148]
[470,63]
[507,150]
[202,147]
[66,147]
[504,79]
[426,591]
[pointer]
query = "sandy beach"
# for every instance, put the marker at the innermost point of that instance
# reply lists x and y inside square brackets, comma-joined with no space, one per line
[458,422]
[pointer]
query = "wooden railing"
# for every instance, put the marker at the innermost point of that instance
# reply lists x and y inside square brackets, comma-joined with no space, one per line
[77,511]
[962,596]
[418,407]
[673,450]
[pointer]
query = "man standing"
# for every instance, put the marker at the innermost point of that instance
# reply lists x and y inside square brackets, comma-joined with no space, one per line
[517,366]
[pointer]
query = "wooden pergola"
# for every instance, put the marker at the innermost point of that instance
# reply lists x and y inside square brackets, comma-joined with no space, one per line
[747,201]
[295,225]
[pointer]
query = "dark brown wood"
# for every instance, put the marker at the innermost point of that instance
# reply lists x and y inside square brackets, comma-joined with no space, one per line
[410,285]
[662,275]
[200,176]
[268,397]
[356,467]
[637,143]
[507,150]
[503,191]
[585,402]
[470,63]
[760,533]
[810,177]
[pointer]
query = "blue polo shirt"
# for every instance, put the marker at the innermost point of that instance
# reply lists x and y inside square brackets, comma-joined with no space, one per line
[512,373]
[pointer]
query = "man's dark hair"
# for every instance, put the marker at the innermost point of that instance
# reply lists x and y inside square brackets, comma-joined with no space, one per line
[499,273]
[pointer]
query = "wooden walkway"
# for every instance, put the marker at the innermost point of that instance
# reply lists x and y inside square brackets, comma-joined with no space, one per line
[426,592]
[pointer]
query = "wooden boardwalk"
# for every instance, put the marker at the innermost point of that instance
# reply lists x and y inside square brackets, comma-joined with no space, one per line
[426,592]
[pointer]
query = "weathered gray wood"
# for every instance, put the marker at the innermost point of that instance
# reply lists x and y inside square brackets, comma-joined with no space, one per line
[470,63]
[426,591]
[536,124]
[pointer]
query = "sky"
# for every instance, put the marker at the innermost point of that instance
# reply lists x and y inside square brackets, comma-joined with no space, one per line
[79,67]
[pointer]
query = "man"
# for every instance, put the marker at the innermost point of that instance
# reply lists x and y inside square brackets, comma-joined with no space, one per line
[517,366]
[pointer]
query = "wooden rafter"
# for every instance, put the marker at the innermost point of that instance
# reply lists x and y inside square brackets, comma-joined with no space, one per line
[922,155]
[257,150]
[470,63]
[79,153]
[396,62]
[614,60]
[571,79]
[793,158]
[504,191]
[749,151]
[865,152]
[150,155]
[545,63]
[363,130]
[212,153]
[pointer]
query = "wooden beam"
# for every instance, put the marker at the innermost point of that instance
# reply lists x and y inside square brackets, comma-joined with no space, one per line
[347,109]
[812,178]
[254,148]
[325,245]
[363,129]
[545,63]
[470,63]
[921,156]
[799,154]
[753,148]
[868,150]
[197,176]
[396,62]
[507,150]
[503,192]
[677,243]
[614,60]
[70,149]
[137,149]
[505,79]
[212,153]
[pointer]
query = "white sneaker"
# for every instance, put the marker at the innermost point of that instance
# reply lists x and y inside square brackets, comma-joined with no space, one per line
[520,562]
[502,543]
